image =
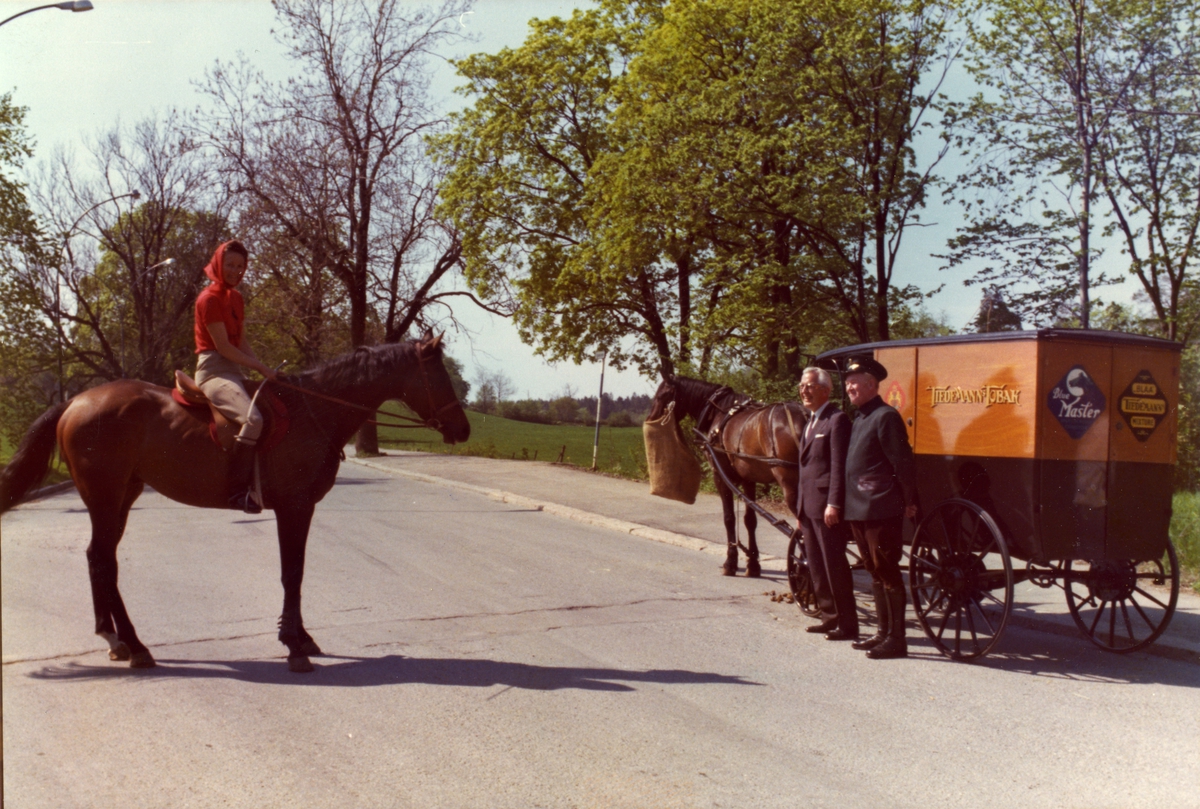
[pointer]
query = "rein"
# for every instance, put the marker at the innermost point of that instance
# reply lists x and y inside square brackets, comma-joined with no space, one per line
[432,423]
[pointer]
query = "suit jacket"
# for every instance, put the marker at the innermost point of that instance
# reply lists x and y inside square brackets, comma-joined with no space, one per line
[822,463]
[880,470]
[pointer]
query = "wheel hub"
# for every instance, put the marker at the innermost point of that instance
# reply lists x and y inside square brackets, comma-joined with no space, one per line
[1112,581]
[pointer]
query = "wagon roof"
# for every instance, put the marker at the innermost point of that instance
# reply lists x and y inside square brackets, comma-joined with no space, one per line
[829,359]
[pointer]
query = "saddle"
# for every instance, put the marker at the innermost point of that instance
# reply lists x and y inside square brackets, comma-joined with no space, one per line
[220,429]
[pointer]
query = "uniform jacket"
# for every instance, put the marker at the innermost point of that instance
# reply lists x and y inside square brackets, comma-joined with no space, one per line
[880,471]
[823,463]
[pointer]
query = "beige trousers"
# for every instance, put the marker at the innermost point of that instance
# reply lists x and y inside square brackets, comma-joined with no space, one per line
[223,384]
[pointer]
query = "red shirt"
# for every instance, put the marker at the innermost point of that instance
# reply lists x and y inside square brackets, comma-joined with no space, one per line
[215,305]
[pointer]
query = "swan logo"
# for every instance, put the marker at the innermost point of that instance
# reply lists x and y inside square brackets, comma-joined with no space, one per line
[1076,402]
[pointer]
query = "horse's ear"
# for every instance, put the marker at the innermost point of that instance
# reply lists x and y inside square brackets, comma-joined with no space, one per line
[437,341]
[427,336]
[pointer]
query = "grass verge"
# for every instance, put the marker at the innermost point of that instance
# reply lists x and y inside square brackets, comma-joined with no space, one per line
[1185,533]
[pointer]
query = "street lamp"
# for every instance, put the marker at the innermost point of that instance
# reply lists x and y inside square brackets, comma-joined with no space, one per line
[67,234]
[71,5]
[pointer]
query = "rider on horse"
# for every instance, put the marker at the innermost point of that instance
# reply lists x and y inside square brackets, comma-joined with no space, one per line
[222,350]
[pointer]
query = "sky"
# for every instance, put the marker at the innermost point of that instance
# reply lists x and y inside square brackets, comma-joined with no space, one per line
[81,73]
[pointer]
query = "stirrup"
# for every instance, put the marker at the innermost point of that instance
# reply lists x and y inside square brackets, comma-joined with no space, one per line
[244,501]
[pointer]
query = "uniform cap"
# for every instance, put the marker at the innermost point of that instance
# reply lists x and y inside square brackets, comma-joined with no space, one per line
[866,365]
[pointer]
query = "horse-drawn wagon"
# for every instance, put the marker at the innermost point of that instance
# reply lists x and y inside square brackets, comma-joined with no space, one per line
[1054,448]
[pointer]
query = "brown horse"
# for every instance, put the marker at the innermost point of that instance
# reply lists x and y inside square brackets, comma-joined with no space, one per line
[118,437]
[753,443]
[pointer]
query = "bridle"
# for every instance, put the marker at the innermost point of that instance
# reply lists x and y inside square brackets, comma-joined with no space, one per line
[431,423]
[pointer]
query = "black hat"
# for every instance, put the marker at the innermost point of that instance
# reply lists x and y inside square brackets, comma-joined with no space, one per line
[865,365]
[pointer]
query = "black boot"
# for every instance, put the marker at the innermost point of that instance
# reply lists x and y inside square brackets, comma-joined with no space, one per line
[896,644]
[241,478]
[881,615]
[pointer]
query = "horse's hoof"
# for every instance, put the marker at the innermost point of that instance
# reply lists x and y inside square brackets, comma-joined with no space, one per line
[728,571]
[120,652]
[142,660]
[300,664]
[309,647]
[753,571]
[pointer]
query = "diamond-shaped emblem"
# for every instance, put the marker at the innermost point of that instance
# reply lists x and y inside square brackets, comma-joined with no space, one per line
[1142,405]
[1076,402]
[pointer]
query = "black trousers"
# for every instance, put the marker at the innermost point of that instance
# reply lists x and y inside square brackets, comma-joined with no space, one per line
[881,544]
[833,584]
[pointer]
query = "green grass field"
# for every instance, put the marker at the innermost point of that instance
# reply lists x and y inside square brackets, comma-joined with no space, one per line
[622,451]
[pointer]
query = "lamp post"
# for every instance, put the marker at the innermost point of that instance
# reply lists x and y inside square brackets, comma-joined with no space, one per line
[67,234]
[71,5]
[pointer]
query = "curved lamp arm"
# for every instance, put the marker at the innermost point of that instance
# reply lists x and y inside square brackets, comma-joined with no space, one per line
[70,5]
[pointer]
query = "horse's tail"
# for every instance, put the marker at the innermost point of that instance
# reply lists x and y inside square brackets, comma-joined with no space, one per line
[29,465]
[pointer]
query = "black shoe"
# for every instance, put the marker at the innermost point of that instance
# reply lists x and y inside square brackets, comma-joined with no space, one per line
[822,627]
[838,634]
[889,649]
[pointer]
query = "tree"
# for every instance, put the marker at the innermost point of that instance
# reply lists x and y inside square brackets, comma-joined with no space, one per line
[118,307]
[1058,75]
[26,342]
[1151,168]
[334,156]
[693,175]
[994,314]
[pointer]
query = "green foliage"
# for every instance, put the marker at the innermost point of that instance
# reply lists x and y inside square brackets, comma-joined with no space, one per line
[1187,469]
[622,450]
[1185,535]
[724,182]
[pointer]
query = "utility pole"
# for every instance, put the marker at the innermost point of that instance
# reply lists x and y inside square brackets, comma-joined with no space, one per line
[599,404]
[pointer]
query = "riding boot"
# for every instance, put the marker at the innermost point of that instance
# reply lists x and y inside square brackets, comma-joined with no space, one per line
[241,477]
[881,614]
[896,644]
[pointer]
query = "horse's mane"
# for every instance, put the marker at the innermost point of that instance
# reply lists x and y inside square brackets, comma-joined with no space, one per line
[691,394]
[362,366]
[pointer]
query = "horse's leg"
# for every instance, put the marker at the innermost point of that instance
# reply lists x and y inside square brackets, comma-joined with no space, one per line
[731,548]
[293,522]
[109,516]
[753,570]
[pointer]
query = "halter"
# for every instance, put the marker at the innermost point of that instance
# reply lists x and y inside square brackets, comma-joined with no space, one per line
[431,423]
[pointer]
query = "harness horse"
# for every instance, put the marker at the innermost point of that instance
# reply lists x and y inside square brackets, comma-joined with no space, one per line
[118,437]
[747,443]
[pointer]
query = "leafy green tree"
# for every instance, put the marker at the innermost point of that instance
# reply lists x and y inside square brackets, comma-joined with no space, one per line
[994,314]
[692,175]
[27,357]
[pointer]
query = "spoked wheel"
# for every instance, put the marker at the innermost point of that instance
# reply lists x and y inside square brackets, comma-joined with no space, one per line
[799,578]
[1113,604]
[961,579]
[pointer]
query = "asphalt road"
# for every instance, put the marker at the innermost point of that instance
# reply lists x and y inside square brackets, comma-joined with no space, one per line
[482,655]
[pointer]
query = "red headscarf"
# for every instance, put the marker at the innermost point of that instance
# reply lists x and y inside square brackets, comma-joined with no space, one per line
[219,302]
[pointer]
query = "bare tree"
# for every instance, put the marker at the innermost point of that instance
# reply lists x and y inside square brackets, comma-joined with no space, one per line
[335,155]
[137,224]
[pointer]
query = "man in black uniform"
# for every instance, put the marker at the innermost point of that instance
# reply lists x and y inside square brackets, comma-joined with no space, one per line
[880,493]
[819,503]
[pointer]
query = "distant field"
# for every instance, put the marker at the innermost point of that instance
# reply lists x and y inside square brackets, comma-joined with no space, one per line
[622,451]
[1185,533]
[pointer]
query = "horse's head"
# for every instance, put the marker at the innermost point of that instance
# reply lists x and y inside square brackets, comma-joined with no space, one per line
[430,392]
[662,397]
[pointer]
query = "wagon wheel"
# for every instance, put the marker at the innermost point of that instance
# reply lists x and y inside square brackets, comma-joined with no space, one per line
[799,578]
[961,579]
[1111,604]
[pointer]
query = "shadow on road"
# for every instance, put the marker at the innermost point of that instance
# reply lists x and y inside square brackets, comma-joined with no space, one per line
[358,672]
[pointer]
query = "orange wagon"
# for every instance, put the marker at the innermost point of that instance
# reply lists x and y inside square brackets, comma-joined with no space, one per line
[1054,448]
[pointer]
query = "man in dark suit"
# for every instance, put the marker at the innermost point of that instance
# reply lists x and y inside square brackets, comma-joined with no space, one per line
[880,493]
[820,497]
